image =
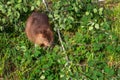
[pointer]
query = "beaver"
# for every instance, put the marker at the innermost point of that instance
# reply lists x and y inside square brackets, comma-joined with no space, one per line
[38,29]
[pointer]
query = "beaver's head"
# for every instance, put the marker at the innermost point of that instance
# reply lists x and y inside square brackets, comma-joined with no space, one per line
[44,38]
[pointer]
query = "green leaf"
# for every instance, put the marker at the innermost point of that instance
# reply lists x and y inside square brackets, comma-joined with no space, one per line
[38,2]
[42,77]
[97,26]
[19,1]
[90,28]
[109,71]
[18,6]
[95,10]
[100,11]
[32,8]
[87,13]
[25,9]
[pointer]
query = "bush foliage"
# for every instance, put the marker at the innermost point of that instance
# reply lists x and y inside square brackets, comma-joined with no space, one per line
[91,48]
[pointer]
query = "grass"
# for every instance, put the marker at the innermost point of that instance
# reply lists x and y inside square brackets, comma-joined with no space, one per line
[89,59]
[115,15]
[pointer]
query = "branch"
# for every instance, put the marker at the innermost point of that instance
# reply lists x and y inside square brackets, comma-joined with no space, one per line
[60,39]
[58,31]
[45,5]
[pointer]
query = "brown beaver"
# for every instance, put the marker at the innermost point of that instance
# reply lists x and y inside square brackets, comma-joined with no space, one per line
[38,29]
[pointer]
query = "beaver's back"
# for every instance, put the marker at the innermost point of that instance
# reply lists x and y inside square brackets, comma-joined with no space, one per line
[38,23]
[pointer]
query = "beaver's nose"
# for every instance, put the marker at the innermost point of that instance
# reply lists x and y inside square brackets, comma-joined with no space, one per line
[42,45]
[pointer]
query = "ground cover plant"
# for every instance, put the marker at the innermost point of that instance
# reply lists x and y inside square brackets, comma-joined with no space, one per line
[91,44]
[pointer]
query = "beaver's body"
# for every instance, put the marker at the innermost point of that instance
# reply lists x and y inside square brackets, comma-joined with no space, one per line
[38,29]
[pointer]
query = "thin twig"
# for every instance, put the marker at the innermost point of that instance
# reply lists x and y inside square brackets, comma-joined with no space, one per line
[58,32]
[63,48]
[60,39]
[45,5]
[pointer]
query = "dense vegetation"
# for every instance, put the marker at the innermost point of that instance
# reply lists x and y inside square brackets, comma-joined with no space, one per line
[89,49]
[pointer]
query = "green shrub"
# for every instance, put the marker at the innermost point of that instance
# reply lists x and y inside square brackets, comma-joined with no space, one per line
[91,49]
[13,13]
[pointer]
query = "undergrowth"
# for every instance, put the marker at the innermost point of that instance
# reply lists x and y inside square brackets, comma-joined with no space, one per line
[91,42]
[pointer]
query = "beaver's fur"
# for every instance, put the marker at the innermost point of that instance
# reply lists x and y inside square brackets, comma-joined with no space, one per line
[38,29]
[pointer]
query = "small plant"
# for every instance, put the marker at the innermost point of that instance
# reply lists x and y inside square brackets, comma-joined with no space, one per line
[91,48]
